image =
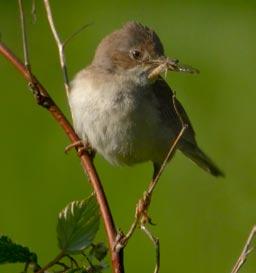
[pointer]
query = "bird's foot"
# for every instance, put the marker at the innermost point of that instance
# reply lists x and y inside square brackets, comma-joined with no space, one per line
[81,147]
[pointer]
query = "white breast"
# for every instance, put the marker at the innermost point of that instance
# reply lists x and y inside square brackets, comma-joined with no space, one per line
[119,119]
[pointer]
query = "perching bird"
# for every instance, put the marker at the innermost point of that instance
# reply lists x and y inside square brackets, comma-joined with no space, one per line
[122,106]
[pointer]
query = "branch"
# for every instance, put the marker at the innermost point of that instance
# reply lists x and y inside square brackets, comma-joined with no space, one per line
[59,44]
[24,38]
[44,99]
[143,204]
[245,252]
[156,243]
[51,263]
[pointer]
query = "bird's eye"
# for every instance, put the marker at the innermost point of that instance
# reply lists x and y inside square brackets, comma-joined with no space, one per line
[136,54]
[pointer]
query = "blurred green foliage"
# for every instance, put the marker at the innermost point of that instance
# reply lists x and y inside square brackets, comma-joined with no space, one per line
[202,222]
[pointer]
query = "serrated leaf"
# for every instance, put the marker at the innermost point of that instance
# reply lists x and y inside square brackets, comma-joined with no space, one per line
[77,225]
[14,253]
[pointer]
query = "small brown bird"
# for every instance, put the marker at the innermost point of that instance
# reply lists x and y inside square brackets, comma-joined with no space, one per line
[122,106]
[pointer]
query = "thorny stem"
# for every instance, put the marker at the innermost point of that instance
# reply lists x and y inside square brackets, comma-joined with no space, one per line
[245,252]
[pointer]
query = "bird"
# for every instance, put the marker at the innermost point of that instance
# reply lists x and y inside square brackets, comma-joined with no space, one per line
[122,106]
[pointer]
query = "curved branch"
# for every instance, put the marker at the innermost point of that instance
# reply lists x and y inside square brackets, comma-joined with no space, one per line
[44,99]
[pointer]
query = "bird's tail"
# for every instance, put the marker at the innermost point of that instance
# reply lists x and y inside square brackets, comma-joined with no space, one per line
[200,158]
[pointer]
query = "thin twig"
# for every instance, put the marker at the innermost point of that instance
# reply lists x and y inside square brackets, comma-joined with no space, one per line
[51,263]
[74,34]
[245,252]
[24,36]
[184,126]
[156,243]
[33,11]
[132,229]
[152,185]
[85,158]
[143,204]
[59,43]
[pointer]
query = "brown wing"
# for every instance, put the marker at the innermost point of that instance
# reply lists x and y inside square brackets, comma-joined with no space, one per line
[164,94]
[188,143]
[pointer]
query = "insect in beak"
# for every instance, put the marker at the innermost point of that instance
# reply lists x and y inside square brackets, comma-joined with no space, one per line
[163,65]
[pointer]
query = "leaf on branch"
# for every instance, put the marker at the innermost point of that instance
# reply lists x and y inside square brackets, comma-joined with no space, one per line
[14,253]
[99,251]
[77,225]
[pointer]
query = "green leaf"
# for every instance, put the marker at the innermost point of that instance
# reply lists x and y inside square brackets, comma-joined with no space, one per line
[77,225]
[14,253]
[99,251]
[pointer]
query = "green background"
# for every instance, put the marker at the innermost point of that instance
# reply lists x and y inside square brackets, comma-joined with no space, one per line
[202,222]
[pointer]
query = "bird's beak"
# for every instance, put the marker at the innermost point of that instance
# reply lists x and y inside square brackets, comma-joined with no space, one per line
[164,64]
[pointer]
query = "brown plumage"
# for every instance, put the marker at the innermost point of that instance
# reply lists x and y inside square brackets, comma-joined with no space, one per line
[187,144]
[123,107]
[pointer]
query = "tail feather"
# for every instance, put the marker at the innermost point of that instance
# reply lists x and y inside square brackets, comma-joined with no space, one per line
[201,159]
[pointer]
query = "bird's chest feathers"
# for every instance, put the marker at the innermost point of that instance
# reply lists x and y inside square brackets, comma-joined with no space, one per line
[120,119]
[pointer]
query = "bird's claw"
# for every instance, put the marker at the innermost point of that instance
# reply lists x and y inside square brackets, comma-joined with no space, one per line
[81,147]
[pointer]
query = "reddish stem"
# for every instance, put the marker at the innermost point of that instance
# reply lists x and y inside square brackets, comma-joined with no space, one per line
[88,166]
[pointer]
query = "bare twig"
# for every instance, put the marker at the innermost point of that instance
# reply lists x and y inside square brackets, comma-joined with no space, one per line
[51,263]
[33,11]
[153,183]
[143,204]
[171,150]
[59,43]
[87,164]
[24,36]
[74,34]
[245,252]
[156,243]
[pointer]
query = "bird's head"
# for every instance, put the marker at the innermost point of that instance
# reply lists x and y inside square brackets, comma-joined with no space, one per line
[137,48]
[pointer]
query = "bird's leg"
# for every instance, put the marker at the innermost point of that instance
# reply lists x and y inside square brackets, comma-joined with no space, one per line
[81,147]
